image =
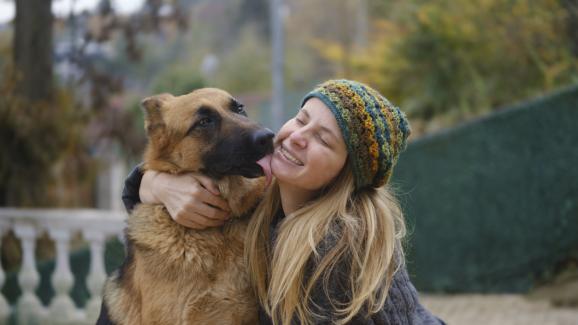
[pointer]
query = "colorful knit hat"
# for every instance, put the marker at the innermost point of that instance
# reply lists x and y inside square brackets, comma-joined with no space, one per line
[374,130]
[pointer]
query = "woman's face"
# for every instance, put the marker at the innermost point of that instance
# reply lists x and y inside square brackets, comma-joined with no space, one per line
[309,149]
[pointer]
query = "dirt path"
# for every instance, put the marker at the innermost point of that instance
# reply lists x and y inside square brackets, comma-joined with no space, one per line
[497,310]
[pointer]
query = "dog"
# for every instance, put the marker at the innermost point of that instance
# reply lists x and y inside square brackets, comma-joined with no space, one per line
[173,274]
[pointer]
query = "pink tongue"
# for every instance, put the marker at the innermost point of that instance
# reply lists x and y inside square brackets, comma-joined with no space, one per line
[265,164]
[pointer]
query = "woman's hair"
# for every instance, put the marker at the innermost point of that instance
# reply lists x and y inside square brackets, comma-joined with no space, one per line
[364,229]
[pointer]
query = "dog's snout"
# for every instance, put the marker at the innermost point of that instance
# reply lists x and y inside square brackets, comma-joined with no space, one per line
[263,139]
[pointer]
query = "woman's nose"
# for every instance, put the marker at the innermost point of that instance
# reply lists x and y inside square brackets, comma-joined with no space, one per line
[298,138]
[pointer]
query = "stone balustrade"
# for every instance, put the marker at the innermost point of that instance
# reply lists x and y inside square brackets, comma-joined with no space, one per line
[95,226]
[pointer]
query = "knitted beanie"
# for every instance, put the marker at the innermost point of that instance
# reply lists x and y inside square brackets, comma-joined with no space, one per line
[374,130]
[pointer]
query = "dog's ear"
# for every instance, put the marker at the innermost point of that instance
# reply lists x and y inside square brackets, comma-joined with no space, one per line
[152,107]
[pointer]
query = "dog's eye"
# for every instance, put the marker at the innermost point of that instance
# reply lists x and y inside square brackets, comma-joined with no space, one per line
[239,109]
[203,123]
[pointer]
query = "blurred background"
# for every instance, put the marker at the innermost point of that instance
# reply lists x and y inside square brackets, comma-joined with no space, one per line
[488,183]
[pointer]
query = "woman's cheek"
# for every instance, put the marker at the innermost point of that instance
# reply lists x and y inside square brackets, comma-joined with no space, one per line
[324,172]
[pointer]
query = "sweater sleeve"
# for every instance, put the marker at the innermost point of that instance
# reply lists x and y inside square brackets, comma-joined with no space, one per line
[402,305]
[130,192]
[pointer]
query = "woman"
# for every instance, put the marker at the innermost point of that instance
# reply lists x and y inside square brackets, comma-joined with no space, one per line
[324,245]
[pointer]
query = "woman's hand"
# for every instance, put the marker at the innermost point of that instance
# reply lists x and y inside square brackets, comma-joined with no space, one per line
[192,200]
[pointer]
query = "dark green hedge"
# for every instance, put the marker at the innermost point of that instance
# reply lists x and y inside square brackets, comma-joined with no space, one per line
[493,204]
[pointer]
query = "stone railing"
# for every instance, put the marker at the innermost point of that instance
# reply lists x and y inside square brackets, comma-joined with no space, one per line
[61,225]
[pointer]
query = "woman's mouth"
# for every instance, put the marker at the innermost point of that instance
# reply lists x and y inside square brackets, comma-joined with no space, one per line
[289,156]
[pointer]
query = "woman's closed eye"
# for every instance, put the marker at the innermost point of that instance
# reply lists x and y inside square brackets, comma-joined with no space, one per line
[299,120]
[323,141]
[318,135]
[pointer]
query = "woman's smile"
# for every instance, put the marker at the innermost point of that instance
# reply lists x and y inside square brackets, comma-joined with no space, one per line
[288,156]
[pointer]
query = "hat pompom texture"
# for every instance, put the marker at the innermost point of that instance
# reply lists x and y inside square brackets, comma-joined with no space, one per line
[374,130]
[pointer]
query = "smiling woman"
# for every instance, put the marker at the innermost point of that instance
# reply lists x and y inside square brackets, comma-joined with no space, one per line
[324,245]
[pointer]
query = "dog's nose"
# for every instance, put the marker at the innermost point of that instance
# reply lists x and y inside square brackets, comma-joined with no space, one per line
[263,139]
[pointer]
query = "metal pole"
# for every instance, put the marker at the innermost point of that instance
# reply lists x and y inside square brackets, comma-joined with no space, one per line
[361,25]
[277,62]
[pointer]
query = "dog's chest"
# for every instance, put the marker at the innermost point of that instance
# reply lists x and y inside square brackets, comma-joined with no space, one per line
[201,274]
[173,249]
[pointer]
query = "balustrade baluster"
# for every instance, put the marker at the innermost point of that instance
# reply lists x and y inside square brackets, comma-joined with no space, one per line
[29,308]
[61,224]
[97,274]
[62,309]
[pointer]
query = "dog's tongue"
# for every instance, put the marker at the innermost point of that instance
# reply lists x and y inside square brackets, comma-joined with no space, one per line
[265,164]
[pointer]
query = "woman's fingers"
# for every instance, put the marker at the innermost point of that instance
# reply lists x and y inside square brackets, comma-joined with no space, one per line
[193,225]
[211,212]
[207,222]
[191,199]
[212,195]
[207,183]
[212,206]
[188,223]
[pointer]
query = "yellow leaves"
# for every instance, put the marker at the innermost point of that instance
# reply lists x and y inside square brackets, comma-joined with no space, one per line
[375,63]
[520,9]
[423,16]
[553,72]
[329,50]
[384,26]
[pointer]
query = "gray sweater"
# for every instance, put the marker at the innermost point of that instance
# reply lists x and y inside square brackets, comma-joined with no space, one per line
[402,306]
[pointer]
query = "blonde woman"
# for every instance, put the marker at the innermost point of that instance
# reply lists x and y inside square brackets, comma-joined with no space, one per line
[324,245]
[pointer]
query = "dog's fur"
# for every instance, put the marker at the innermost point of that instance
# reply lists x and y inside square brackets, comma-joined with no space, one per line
[177,275]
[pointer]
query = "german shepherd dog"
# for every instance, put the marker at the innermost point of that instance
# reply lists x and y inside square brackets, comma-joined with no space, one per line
[173,274]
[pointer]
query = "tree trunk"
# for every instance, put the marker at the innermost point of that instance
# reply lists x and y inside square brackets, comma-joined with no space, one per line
[33,49]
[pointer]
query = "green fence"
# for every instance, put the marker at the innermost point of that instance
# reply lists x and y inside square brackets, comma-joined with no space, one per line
[493,204]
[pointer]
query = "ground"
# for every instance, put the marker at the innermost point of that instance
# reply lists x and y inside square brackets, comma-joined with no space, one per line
[510,309]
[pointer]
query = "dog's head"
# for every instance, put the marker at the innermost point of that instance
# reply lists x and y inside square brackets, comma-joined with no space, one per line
[204,131]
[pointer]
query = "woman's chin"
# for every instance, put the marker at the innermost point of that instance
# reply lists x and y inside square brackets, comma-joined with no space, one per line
[279,172]
[282,175]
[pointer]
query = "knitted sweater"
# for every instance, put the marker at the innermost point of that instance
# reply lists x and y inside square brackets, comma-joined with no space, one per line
[402,306]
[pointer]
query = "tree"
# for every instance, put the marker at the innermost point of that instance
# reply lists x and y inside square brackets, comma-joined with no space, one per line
[449,60]
[33,114]
[41,124]
[32,49]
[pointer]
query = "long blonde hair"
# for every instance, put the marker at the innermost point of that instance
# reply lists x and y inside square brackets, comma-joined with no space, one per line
[367,228]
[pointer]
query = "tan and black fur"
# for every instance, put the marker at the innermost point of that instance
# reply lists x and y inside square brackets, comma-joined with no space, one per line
[173,274]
